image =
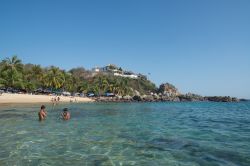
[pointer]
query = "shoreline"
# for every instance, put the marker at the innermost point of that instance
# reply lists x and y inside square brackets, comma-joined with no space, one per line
[8,98]
[12,98]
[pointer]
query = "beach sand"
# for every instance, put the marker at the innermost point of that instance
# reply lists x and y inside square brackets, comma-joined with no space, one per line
[7,98]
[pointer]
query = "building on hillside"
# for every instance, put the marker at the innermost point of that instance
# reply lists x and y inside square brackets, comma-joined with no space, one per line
[117,71]
[134,76]
[109,68]
[96,69]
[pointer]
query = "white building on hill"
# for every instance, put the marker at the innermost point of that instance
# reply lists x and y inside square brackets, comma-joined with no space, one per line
[134,76]
[117,71]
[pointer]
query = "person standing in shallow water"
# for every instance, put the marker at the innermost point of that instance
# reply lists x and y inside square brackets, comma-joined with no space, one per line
[42,114]
[65,114]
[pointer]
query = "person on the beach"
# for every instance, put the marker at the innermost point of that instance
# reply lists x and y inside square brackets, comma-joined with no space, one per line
[42,114]
[53,101]
[65,114]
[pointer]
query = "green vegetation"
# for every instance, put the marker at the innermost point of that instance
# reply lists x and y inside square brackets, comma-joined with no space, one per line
[12,72]
[16,76]
[29,77]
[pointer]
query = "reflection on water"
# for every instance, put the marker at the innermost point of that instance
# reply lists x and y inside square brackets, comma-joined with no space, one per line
[127,134]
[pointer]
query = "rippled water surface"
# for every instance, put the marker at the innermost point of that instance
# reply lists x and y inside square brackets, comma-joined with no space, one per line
[127,134]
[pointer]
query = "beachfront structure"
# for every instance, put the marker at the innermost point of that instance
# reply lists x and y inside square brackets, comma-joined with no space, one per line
[96,69]
[108,68]
[117,71]
[134,76]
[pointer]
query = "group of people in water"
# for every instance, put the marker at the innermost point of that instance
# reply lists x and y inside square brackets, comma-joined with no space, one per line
[42,114]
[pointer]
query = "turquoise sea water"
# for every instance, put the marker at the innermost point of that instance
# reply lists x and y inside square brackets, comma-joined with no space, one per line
[183,134]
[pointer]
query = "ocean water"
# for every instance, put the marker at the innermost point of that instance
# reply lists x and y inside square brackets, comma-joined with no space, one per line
[148,134]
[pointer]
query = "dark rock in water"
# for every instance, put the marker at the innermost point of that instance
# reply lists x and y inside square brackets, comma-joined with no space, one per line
[221,99]
[169,143]
[191,97]
[169,98]
[176,99]
[244,100]
[98,160]
[234,99]
[137,98]
[127,97]
[148,98]
[231,156]
[213,160]
[165,98]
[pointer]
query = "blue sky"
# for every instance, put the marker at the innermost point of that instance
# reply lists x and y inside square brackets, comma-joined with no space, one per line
[201,46]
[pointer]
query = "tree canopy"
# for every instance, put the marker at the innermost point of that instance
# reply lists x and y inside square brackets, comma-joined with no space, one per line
[29,77]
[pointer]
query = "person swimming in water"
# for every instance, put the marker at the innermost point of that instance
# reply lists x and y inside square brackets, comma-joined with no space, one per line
[42,114]
[65,114]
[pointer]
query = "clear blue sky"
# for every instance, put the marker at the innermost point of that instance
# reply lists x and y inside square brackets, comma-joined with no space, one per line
[201,46]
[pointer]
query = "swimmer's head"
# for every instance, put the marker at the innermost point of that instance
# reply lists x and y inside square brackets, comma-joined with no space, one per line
[43,107]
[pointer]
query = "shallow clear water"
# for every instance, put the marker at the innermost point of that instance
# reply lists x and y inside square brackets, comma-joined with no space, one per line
[127,134]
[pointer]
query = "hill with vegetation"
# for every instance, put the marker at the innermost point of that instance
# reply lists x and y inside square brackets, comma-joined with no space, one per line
[30,77]
[125,85]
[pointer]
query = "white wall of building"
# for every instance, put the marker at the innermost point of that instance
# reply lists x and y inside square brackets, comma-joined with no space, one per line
[129,76]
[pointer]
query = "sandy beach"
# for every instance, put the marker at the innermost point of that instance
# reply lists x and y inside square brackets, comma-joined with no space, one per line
[7,98]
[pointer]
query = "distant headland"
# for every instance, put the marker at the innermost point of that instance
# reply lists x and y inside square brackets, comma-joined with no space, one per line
[108,83]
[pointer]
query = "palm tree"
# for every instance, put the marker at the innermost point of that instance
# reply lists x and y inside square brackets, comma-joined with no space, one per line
[2,82]
[11,73]
[124,88]
[37,72]
[33,76]
[68,82]
[95,88]
[84,87]
[105,84]
[12,63]
[54,78]
[111,84]
[102,84]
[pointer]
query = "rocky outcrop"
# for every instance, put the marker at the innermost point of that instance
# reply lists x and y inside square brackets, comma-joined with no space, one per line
[244,100]
[162,98]
[221,99]
[168,90]
[137,98]
[191,97]
[170,98]
[127,97]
